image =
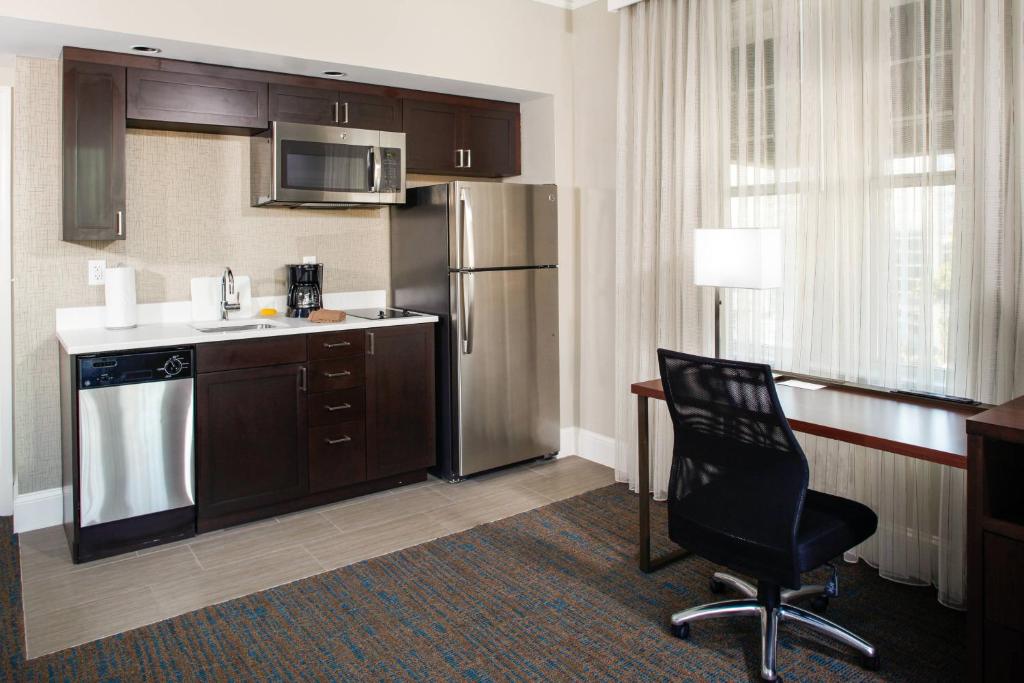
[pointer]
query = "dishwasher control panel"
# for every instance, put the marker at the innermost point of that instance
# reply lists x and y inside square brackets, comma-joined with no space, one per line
[118,369]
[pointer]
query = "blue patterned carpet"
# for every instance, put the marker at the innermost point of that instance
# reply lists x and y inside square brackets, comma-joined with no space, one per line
[548,595]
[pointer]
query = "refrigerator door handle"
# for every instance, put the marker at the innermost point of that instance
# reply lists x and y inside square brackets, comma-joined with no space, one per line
[466,312]
[466,243]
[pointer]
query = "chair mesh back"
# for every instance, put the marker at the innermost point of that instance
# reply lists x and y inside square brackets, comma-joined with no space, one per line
[737,469]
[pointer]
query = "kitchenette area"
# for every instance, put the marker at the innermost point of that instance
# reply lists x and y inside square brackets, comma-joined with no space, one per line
[324,327]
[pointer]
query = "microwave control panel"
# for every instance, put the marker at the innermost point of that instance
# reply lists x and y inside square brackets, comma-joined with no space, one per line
[391,170]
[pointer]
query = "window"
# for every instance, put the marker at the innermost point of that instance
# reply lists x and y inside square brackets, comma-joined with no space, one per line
[842,135]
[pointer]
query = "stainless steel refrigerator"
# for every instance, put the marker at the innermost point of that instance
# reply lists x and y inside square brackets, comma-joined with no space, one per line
[484,258]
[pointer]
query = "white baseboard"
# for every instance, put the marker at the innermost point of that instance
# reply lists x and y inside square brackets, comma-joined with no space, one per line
[38,510]
[569,441]
[596,447]
[589,445]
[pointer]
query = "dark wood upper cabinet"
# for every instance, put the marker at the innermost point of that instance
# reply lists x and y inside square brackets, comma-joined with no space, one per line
[400,430]
[432,136]
[165,99]
[448,139]
[334,107]
[491,140]
[251,441]
[94,142]
[303,105]
[376,112]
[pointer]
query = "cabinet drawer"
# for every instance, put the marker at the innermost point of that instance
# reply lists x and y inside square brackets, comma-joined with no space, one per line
[1004,581]
[337,456]
[251,353]
[328,375]
[336,344]
[335,407]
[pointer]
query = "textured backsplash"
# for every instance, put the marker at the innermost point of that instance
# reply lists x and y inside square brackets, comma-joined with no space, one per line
[187,215]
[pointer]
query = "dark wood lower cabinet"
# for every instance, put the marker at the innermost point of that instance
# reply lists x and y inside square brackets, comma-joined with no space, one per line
[294,421]
[250,440]
[400,429]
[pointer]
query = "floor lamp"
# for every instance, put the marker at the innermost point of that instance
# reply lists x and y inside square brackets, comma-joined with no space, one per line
[740,258]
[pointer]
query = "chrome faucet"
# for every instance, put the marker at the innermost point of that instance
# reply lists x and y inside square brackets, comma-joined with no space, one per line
[228,294]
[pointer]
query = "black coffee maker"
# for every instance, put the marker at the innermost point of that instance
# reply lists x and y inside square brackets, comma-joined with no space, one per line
[305,293]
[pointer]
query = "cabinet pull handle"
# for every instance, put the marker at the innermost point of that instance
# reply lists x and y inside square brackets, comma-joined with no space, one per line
[335,442]
[460,160]
[369,335]
[332,375]
[120,223]
[343,406]
[469,158]
[302,379]
[336,345]
[345,109]
[334,112]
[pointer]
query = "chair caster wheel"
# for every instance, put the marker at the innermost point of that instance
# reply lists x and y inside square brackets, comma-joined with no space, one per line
[681,631]
[716,586]
[819,604]
[872,663]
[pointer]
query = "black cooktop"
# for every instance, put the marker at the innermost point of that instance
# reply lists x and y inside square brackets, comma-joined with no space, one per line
[380,313]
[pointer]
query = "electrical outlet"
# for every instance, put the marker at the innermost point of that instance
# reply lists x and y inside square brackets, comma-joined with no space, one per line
[96,271]
[309,259]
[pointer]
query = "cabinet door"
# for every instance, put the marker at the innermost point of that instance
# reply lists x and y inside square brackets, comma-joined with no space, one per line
[431,136]
[250,439]
[303,105]
[491,140]
[400,430]
[94,164]
[376,112]
[195,102]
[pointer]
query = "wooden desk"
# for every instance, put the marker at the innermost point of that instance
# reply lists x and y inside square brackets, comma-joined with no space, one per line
[917,428]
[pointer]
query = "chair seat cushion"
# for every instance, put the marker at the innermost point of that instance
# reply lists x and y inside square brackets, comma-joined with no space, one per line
[829,526]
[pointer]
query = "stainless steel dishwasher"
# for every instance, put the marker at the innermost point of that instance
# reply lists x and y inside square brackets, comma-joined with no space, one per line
[135,481]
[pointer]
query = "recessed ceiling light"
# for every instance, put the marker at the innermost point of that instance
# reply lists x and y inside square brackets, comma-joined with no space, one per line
[338,74]
[145,48]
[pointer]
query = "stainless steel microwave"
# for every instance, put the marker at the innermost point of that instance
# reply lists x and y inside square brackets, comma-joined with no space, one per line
[302,165]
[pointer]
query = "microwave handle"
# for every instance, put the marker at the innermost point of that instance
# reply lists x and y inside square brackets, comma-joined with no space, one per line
[376,168]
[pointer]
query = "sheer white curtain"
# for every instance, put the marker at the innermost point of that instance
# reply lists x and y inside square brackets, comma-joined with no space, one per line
[670,152]
[877,134]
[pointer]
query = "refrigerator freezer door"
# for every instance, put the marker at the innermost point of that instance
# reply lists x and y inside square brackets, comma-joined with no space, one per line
[502,225]
[505,366]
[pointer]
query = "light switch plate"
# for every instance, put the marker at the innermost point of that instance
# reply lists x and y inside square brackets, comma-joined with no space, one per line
[96,271]
[309,259]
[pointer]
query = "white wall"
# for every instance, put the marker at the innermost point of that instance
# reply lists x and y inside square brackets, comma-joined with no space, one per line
[595,63]
[6,366]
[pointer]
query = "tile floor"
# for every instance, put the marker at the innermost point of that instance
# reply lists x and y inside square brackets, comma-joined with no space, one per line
[67,604]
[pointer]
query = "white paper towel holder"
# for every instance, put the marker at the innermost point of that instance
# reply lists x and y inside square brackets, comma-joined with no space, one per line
[119,297]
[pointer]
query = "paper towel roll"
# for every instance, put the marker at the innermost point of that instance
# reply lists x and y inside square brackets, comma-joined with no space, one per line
[120,297]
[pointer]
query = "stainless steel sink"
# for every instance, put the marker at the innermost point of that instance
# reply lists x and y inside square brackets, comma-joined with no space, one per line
[236,325]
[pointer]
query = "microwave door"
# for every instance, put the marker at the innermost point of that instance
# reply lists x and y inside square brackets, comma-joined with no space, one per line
[324,164]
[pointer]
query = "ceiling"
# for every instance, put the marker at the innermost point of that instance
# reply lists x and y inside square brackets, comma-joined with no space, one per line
[43,39]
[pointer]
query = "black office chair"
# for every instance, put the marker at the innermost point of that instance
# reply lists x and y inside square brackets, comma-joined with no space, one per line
[738,496]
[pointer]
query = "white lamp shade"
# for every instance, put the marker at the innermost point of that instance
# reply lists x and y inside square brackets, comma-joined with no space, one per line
[746,258]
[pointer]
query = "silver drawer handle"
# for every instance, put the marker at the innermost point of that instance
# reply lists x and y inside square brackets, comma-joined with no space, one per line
[332,375]
[334,346]
[343,406]
[335,442]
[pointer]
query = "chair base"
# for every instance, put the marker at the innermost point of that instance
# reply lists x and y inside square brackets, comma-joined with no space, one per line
[772,606]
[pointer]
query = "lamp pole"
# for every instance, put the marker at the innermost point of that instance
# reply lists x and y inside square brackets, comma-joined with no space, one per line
[718,322]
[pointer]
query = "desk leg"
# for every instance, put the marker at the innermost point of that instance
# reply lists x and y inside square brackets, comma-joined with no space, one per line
[644,484]
[648,564]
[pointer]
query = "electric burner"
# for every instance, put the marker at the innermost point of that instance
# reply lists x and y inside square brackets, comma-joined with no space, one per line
[380,313]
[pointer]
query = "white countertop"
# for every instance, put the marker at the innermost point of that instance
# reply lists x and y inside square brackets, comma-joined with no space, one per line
[101,340]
